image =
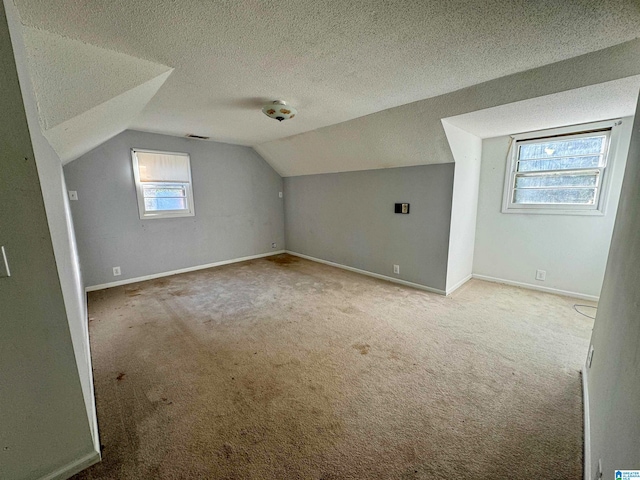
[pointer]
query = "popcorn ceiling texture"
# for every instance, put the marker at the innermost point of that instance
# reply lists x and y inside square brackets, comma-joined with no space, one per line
[83,133]
[289,369]
[413,135]
[602,101]
[71,77]
[86,94]
[334,60]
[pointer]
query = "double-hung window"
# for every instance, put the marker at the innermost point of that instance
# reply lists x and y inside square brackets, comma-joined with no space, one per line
[563,172]
[163,184]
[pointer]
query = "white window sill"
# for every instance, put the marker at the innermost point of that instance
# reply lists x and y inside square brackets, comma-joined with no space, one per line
[166,215]
[553,211]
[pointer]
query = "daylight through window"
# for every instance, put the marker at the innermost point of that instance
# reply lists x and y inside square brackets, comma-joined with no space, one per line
[163,184]
[561,173]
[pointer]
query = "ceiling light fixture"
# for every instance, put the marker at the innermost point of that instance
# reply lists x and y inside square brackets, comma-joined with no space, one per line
[279,110]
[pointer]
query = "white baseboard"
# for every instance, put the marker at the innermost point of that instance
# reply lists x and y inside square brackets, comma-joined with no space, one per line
[459,284]
[530,286]
[176,272]
[587,425]
[370,274]
[74,467]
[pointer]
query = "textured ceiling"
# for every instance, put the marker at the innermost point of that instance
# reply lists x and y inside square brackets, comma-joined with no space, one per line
[71,77]
[86,94]
[335,60]
[603,101]
[413,134]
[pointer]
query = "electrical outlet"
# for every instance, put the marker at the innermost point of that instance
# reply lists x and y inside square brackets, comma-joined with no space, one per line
[273,245]
[396,269]
[73,195]
[116,271]
[541,275]
[279,194]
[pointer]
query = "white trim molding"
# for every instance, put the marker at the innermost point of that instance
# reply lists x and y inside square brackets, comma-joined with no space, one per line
[587,425]
[556,291]
[369,274]
[127,281]
[459,284]
[74,467]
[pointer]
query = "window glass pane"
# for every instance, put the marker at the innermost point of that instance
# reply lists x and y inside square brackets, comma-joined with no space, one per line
[553,180]
[568,163]
[159,204]
[582,196]
[563,148]
[156,191]
[163,184]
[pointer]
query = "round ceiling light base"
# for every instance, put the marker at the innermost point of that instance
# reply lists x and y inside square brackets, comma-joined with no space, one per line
[279,110]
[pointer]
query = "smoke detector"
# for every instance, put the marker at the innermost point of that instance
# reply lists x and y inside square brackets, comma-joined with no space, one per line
[279,110]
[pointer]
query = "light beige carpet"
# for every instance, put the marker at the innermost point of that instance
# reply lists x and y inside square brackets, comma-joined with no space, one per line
[283,368]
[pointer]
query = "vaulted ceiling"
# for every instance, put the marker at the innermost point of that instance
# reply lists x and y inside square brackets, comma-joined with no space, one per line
[335,60]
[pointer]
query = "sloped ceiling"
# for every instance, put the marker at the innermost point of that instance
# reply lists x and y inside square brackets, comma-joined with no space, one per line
[413,134]
[82,133]
[335,60]
[86,94]
[603,101]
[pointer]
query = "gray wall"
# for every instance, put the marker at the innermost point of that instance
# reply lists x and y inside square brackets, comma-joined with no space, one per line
[43,420]
[348,218]
[614,376]
[238,211]
[571,248]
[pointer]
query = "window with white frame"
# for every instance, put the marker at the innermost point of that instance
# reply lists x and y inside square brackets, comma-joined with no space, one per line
[163,184]
[559,171]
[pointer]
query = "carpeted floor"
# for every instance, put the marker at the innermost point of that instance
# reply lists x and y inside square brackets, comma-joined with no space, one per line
[282,368]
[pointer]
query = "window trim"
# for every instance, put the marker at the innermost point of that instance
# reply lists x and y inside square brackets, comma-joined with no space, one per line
[144,215]
[599,208]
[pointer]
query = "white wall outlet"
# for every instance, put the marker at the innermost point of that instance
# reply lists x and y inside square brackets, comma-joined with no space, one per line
[590,357]
[273,245]
[73,195]
[541,275]
[279,194]
[116,271]
[396,269]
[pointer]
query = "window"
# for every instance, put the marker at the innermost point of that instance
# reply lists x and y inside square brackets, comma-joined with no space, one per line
[560,171]
[163,184]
